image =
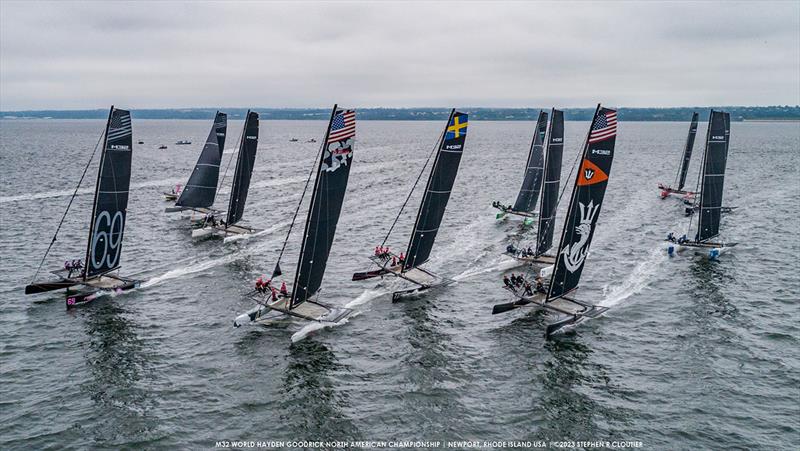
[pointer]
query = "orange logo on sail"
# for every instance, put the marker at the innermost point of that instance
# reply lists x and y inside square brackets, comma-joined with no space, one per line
[590,174]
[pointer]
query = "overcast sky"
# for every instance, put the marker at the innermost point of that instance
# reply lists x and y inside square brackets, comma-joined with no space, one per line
[403,54]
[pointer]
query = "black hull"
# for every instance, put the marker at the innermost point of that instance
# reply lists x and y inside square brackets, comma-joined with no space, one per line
[44,287]
[369,274]
[84,297]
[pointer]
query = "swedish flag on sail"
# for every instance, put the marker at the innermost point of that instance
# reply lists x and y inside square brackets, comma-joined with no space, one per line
[457,126]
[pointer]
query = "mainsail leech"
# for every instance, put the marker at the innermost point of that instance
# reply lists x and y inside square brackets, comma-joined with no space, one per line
[552,180]
[534,169]
[201,188]
[687,152]
[587,199]
[110,205]
[244,169]
[437,192]
[333,171]
[713,175]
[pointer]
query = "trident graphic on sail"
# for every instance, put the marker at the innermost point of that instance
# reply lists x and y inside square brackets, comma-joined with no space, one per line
[575,253]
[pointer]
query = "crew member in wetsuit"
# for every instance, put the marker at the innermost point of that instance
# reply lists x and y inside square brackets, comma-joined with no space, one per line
[68,267]
[511,249]
[671,237]
[540,286]
[402,258]
[528,290]
[284,291]
[507,282]
[259,285]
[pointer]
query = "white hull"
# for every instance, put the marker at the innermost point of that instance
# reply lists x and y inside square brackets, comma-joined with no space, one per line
[710,252]
[276,311]
[221,232]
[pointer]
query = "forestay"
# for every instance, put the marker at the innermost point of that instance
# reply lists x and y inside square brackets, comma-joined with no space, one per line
[201,189]
[437,192]
[687,152]
[586,202]
[110,206]
[244,169]
[713,174]
[326,204]
[552,180]
[532,183]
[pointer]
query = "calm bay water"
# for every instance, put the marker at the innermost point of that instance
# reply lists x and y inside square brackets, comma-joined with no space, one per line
[691,354]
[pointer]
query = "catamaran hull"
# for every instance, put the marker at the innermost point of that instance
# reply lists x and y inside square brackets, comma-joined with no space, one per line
[276,312]
[710,252]
[667,191]
[77,299]
[221,232]
[564,313]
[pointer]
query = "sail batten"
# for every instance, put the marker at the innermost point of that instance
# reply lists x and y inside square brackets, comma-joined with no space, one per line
[330,185]
[110,207]
[534,169]
[437,191]
[585,203]
[552,181]
[244,169]
[687,151]
[713,175]
[201,189]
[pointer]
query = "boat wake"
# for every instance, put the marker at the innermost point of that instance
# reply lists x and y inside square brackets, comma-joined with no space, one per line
[502,264]
[247,236]
[81,192]
[309,328]
[366,296]
[637,280]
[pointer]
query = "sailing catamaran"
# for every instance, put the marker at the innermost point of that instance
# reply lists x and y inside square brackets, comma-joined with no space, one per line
[200,191]
[579,227]
[712,174]
[680,177]
[547,207]
[109,215]
[245,161]
[333,171]
[532,183]
[431,211]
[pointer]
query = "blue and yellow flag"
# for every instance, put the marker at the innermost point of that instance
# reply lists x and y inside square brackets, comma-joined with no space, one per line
[457,126]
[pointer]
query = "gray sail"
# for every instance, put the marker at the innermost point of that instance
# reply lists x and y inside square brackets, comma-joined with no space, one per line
[333,172]
[244,169]
[201,189]
[437,192]
[110,209]
[687,152]
[552,181]
[713,174]
[532,183]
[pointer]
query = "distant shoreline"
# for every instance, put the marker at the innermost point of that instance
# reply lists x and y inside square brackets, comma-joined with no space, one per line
[776,113]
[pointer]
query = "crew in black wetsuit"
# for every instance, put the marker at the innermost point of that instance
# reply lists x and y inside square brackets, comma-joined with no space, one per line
[507,282]
[528,290]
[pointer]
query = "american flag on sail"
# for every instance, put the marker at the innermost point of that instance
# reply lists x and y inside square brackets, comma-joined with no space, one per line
[343,125]
[604,127]
[120,125]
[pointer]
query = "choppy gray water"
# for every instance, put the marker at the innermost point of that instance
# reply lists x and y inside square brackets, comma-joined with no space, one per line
[691,355]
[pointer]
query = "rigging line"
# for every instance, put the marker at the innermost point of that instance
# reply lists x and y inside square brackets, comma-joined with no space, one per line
[299,203]
[74,193]
[413,187]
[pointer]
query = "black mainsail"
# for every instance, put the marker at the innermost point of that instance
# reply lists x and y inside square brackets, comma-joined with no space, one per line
[437,192]
[552,180]
[584,207]
[687,152]
[326,204]
[110,205]
[532,183]
[244,169]
[201,189]
[713,174]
